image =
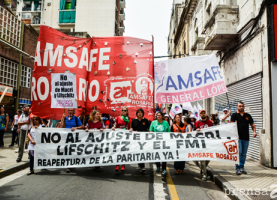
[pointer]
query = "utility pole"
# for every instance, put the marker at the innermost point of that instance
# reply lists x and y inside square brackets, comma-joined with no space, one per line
[19,67]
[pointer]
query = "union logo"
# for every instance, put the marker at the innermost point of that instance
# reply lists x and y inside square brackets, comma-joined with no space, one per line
[231,147]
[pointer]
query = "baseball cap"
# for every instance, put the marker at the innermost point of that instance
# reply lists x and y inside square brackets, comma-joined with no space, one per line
[166,115]
[202,111]
[225,109]
[192,116]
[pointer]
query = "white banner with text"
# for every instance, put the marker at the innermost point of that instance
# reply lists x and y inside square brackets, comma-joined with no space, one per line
[61,148]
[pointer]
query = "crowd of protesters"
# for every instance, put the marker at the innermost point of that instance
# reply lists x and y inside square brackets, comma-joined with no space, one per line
[23,126]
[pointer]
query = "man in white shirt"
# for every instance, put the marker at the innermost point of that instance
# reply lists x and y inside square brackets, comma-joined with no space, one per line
[225,118]
[24,124]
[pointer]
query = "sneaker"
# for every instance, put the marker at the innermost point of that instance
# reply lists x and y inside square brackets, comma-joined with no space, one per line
[204,178]
[67,170]
[243,171]
[18,160]
[122,167]
[164,172]
[16,151]
[238,172]
[142,170]
[116,168]
[158,169]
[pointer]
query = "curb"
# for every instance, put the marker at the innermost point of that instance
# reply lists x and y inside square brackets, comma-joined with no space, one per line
[225,186]
[13,169]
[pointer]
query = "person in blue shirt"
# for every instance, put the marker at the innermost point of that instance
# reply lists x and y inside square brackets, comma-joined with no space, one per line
[71,121]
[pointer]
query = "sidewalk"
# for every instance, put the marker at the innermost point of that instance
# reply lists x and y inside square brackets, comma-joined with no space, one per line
[256,184]
[8,164]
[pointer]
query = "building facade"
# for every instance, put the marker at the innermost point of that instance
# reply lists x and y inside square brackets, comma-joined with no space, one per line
[96,18]
[236,31]
[17,50]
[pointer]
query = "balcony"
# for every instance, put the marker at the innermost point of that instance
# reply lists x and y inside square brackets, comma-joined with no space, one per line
[121,28]
[122,15]
[198,44]
[122,4]
[221,27]
[67,17]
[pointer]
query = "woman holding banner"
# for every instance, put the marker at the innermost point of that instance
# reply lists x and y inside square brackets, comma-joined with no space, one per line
[123,122]
[160,125]
[37,123]
[95,122]
[178,126]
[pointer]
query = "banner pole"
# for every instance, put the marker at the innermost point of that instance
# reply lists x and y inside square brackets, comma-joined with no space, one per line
[228,100]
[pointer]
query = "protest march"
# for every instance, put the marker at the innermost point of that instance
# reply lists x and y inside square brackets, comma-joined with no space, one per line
[94,110]
[100,116]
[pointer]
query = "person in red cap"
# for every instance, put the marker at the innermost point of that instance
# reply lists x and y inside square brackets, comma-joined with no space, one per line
[204,122]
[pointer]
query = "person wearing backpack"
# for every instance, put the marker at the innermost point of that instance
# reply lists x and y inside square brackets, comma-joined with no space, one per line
[71,122]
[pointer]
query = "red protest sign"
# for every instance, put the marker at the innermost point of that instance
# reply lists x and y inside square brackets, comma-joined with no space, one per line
[111,72]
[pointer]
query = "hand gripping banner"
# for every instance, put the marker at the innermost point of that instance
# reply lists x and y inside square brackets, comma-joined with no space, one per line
[188,79]
[61,148]
[103,73]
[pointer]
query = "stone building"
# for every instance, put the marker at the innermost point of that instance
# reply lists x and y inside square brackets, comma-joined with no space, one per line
[236,31]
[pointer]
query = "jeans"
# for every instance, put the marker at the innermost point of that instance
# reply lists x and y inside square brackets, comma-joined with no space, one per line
[141,165]
[22,140]
[179,165]
[243,147]
[163,165]
[2,137]
[31,161]
[14,135]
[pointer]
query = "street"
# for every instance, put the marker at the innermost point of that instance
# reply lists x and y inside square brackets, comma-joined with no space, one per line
[85,183]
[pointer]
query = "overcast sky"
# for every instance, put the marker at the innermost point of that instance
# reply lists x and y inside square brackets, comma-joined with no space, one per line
[149,17]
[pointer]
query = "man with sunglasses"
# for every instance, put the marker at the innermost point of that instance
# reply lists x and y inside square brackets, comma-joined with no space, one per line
[71,122]
[123,122]
[243,120]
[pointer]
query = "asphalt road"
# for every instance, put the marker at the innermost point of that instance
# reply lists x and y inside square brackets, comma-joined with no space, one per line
[85,183]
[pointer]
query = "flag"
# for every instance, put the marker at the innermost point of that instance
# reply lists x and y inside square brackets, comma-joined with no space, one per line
[199,108]
[175,109]
[195,111]
[188,106]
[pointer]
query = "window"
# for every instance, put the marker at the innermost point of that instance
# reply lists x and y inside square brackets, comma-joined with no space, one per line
[10,27]
[8,72]
[27,6]
[25,76]
[26,15]
[67,11]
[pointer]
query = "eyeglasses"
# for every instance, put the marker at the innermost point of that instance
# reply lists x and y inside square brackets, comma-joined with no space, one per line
[70,110]
[124,110]
[35,119]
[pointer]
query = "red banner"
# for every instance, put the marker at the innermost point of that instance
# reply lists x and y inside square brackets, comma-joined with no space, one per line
[111,72]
